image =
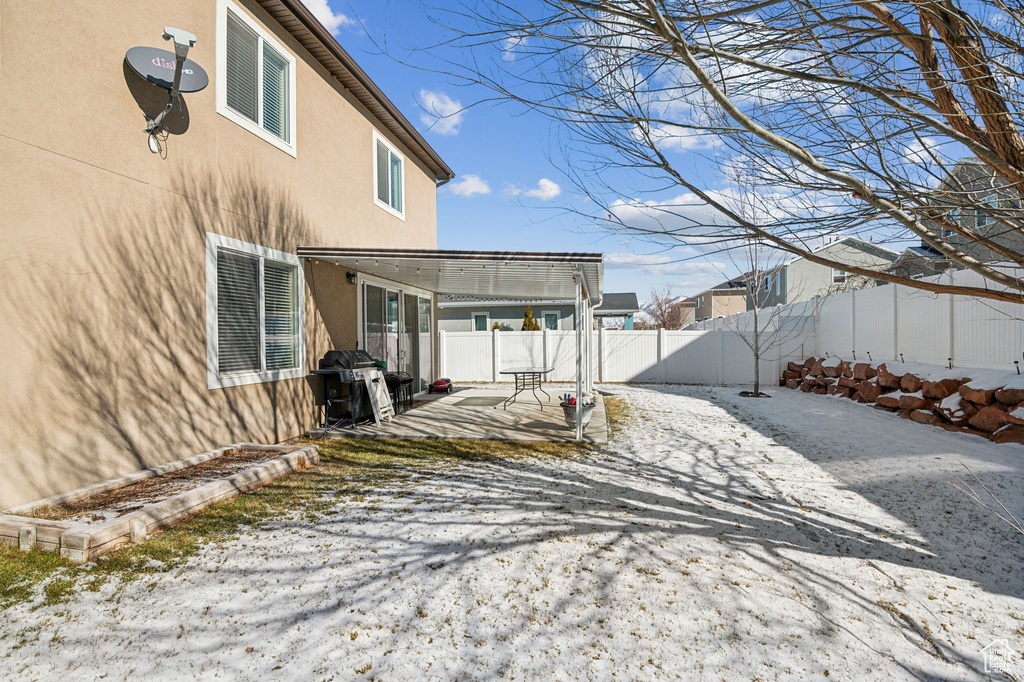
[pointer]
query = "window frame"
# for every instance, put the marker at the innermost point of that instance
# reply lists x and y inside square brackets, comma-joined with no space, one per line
[558,319]
[472,318]
[223,7]
[841,277]
[983,219]
[215,380]
[377,137]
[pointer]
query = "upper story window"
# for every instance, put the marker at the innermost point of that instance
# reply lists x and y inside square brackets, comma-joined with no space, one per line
[255,78]
[768,283]
[389,177]
[838,275]
[990,201]
[254,314]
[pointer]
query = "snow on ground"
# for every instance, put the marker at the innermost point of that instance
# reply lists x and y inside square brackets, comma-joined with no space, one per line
[716,538]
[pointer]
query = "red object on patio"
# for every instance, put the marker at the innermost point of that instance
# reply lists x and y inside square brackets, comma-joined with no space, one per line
[441,386]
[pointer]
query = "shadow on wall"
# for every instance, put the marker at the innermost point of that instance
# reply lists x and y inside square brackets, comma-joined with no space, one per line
[118,347]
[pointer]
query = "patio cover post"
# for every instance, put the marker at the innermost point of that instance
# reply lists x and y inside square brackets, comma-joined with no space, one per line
[579,357]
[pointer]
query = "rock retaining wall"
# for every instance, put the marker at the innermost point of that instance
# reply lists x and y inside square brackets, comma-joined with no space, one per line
[985,408]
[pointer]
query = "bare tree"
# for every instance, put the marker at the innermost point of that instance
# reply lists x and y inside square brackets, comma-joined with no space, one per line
[766,326]
[853,113]
[665,310]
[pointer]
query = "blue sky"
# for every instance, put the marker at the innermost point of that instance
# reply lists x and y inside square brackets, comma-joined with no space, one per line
[509,193]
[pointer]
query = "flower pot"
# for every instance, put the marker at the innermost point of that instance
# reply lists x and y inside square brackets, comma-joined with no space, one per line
[570,414]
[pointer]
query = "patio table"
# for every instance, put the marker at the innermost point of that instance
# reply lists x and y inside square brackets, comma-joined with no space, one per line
[526,378]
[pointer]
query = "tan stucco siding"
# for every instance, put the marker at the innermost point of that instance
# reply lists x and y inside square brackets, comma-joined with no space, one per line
[103,344]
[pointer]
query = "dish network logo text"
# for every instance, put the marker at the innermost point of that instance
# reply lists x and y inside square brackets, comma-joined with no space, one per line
[160,61]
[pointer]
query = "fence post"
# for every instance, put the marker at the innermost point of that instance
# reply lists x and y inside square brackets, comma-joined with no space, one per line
[853,321]
[600,353]
[441,360]
[895,322]
[544,347]
[719,352]
[495,355]
[661,355]
[952,316]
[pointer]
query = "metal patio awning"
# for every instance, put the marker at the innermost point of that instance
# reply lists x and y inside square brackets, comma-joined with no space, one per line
[519,274]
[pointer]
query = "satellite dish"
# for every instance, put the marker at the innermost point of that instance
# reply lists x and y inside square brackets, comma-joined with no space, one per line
[157,66]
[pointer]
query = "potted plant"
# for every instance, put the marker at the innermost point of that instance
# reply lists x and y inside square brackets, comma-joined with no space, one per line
[568,404]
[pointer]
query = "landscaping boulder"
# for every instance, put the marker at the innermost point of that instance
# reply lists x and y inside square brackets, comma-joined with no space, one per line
[862,371]
[913,402]
[1009,434]
[989,419]
[924,417]
[832,368]
[887,379]
[888,401]
[792,383]
[869,391]
[956,410]
[1010,396]
[910,383]
[937,390]
[978,396]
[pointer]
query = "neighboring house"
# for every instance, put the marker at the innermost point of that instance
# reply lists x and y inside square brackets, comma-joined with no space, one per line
[801,279]
[919,261]
[723,299]
[480,314]
[977,199]
[614,307]
[154,305]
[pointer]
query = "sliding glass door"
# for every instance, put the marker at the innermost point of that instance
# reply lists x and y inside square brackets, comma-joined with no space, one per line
[396,328]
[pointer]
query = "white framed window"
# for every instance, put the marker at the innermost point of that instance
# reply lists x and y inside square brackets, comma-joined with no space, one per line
[255,320]
[481,322]
[838,275]
[255,78]
[768,283]
[388,177]
[550,318]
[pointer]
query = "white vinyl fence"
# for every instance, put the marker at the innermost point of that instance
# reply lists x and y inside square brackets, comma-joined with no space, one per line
[892,322]
[682,357]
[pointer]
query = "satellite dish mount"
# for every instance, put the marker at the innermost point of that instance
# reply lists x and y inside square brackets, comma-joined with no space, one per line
[183,40]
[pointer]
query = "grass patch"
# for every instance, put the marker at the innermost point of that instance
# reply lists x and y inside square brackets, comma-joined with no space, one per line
[618,413]
[348,467]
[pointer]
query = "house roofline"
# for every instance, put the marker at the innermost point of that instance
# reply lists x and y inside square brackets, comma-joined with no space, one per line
[294,17]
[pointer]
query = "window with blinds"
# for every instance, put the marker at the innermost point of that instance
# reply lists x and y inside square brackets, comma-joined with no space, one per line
[258,327]
[389,177]
[258,78]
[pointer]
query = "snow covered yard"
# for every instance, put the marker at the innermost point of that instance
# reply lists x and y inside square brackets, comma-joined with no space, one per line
[716,537]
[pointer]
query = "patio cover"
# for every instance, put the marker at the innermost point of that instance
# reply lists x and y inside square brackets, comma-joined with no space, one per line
[518,274]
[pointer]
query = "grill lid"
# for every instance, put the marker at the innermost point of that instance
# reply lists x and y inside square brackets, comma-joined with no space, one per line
[347,359]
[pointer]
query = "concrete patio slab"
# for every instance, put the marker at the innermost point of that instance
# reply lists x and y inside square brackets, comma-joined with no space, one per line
[476,413]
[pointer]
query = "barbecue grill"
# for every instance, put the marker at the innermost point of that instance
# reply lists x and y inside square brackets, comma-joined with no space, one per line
[344,393]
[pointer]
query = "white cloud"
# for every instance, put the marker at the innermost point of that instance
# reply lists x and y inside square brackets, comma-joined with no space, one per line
[510,46]
[546,190]
[664,264]
[441,113]
[469,185]
[332,21]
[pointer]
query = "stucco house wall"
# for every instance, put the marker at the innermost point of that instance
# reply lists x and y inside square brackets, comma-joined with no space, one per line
[103,346]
